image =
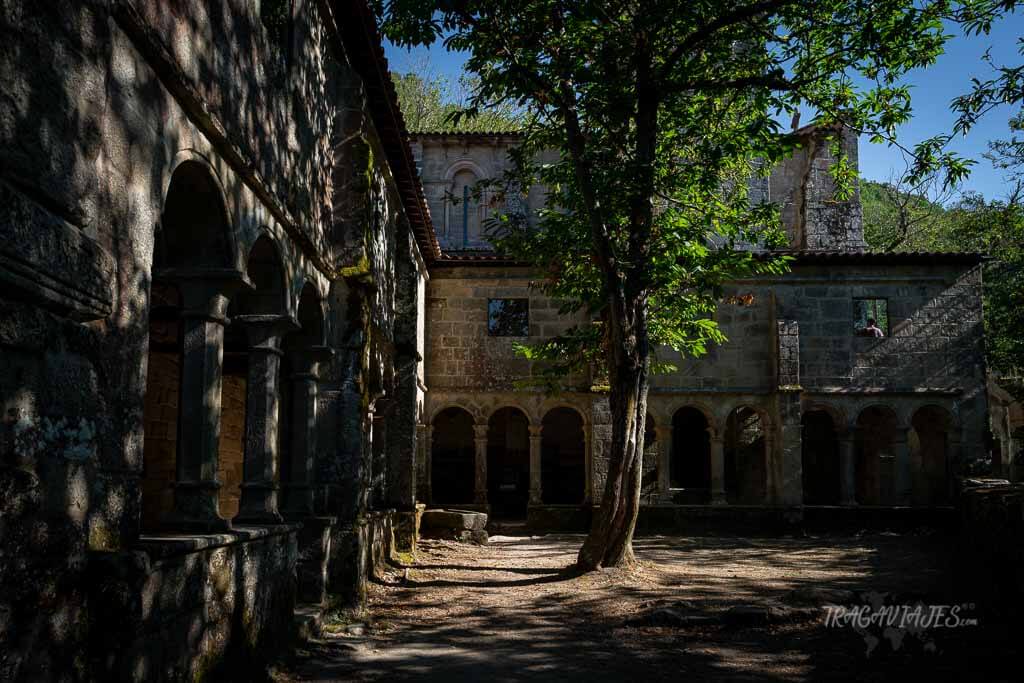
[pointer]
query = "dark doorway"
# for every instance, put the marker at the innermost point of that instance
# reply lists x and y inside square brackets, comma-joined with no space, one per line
[563,458]
[875,465]
[746,465]
[452,458]
[690,466]
[819,453]
[508,463]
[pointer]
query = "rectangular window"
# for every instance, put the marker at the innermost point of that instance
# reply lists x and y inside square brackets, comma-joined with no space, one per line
[508,317]
[871,317]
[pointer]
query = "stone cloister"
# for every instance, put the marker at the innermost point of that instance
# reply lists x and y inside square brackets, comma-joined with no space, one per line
[246,338]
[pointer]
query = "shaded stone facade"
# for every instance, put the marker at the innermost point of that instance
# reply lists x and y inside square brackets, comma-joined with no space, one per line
[212,266]
[797,408]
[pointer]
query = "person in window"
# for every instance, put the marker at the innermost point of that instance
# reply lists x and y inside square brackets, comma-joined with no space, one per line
[873,330]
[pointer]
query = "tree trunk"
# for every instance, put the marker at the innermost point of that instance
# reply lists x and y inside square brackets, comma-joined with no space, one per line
[610,542]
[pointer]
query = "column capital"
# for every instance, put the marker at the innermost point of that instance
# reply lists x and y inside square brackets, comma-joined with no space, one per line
[205,292]
[264,332]
[305,360]
[480,431]
[535,431]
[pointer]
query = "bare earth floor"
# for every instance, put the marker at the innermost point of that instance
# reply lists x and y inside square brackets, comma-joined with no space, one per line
[510,611]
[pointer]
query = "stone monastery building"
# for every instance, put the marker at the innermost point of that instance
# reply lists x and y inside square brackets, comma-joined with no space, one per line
[246,335]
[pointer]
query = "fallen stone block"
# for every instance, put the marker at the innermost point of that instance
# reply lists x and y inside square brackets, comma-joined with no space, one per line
[456,525]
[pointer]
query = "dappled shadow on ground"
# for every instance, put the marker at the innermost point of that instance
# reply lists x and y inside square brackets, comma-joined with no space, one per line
[515,610]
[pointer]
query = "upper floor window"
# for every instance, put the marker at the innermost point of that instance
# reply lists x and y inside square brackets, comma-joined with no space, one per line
[508,317]
[463,211]
[871,317]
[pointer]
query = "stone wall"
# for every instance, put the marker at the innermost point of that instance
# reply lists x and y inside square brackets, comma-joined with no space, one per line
[459,351]
[482,157]
[792,347]
[196,609]
[109,102]
[802,186]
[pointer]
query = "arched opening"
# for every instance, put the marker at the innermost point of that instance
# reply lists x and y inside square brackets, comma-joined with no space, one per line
[160,409]
[929,452]
[746,464]
[649,477]
[452,456]
[508,463]
[690,464]
[193,234]
[464,211]
[194,228]
[875,460]
[563,457]
[819,455]
[251,315]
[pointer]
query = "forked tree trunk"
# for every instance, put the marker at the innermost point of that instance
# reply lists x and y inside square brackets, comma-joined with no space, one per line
[610,542]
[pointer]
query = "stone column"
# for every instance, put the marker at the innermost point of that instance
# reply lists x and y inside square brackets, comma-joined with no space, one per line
[717,468]
[847,468]
[258,504]
[664,436]
[536,493]
[902,476]
[588,465]
[205,295]
[305,389]
[480,481]
[428,463]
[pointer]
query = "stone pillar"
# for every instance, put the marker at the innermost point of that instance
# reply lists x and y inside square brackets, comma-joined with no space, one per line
[303,444]
[428,445]
[205,294]
[536,493]
[480,481]
[379,443]
[588,465]
[401,433]
[664,436]
[847,468]
[717,468]
[258,504]
[902,475]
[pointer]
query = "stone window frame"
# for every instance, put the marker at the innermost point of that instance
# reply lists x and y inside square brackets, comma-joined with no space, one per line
[526,323]
[882,320]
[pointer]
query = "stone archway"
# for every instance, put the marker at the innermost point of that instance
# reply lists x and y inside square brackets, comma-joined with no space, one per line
[690,464]
[930,453]
[452,457]
[745,457]
[508,463]
[194,278]
[563,457]
[875,468]
[819,455]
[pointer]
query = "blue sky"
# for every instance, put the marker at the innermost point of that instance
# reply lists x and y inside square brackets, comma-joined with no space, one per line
[933,89]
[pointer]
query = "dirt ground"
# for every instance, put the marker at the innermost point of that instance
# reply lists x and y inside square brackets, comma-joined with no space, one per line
[511,611]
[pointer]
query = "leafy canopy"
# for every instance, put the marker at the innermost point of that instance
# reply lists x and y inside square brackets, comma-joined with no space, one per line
[430,102]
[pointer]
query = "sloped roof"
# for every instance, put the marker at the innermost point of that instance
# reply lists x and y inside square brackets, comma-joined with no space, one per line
[355,26]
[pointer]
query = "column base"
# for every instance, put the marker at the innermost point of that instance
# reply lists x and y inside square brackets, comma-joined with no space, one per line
[719,498]
[196,508]
[258,505]
[300,502]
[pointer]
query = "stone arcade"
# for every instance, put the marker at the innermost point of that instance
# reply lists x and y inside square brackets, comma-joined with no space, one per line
[223,302]
[798,410]
[214,247]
